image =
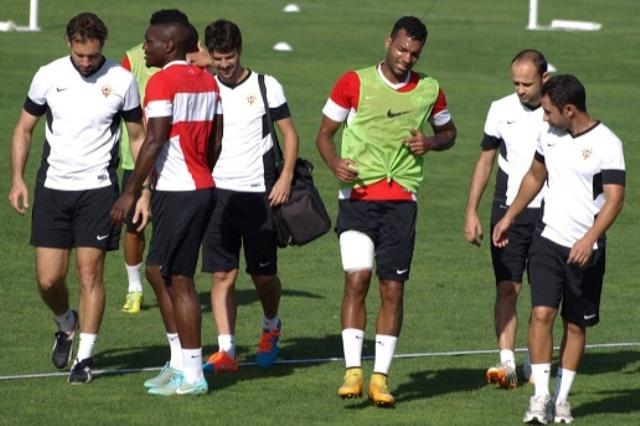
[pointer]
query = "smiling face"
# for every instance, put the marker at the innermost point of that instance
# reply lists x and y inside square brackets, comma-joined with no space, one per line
[227,65]
[86,55]
[402,54]
[154,47]
[528,82]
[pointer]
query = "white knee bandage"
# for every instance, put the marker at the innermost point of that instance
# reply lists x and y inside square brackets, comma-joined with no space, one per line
[356,250]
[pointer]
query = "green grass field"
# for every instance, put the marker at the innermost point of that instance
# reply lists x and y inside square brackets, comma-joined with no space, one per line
[449,299]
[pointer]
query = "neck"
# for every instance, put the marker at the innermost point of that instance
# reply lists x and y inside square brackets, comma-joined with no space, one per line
[392,77]
[582,123]
[237,76]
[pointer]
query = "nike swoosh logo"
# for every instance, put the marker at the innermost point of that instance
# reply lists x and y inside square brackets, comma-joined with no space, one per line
[391,114]
[401,271]
[262,265]
[102,237]
[510,121]
[61,89]
[588,317]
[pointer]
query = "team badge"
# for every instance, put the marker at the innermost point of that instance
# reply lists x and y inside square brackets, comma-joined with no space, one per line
[106,90]
[251,99]
[586,153]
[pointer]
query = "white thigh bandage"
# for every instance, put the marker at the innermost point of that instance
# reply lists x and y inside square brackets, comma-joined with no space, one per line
[356,250]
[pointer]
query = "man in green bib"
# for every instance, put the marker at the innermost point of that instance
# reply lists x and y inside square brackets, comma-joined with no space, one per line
[384,109]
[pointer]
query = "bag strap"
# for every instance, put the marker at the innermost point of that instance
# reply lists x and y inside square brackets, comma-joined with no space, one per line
[277,152]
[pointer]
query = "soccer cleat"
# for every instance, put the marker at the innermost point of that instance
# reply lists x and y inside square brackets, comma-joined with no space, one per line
[81,372]
[179,386]
[379,391]
[562,413]
[352,385]
[62,350]
[502,375]
[166,374]
[268,349]
[220,362]
[133,302]
[539,410]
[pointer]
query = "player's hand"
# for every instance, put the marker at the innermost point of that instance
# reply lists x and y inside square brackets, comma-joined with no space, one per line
[19,196]
[473,229]
[346,170]
[417,143]
[142,213]
[581,252]
[281,190]
[499,235]
[200,58]
[122,207]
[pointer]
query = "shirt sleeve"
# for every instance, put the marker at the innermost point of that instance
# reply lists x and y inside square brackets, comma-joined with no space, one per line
[612,163]
[440,113]
[158,99]
[132,96]
[36,102]
[126,63]
[278,107]
[343,97]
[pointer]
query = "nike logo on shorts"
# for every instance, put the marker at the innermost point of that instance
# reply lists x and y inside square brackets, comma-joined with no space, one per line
[262,265]
[401,271]
[102,237]
[588,317]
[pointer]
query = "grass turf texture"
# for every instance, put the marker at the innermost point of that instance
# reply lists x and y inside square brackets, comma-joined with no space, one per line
[448,304]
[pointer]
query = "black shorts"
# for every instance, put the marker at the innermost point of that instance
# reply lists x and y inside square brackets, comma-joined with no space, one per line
[553,280]
[240,219]
[391,225]
[126,175]
[66,219]
[509,262]
[179,222]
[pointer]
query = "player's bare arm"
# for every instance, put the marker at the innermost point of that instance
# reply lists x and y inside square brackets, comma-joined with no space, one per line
[479,180]
[531,184]
[344,169]
[142,213]
[583,248]
[444,137]
[20,147]
[282,188]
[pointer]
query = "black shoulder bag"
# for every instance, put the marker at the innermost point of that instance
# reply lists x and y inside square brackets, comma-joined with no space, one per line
[303,218]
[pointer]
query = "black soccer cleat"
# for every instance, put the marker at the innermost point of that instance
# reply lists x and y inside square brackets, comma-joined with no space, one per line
[62,351]
[81,372]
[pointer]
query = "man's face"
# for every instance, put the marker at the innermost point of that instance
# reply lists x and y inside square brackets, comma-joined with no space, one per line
[226,65]
[402,54]
[553,115]
[527,81]
[86,55]
[154,47]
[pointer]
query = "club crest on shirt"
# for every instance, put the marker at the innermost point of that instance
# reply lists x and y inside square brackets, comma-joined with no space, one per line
[106,90]
[251,99]
[586,153]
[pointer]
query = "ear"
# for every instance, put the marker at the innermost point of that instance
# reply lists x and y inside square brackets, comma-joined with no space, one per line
[388,42]
[545,77]
[569,111]
[169,46]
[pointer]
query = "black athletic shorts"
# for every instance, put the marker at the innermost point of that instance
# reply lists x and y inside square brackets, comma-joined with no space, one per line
[240,219]
[66,219]
[509,262]
[553,280]
[179,221]
[126,175]
[391,225]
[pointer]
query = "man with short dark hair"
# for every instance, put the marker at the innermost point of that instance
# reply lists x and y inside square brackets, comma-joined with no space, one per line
[182,107]
[84,96]
[510,133]
[580,163]
[385,108]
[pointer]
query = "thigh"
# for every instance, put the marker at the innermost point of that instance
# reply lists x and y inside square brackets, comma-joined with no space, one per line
[258,235]
[52,264]
[222,240]
[92,225]
[396,239]
[52,218]
[547,273]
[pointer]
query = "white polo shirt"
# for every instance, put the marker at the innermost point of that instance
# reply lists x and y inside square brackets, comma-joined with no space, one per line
[578,166]
[83,117]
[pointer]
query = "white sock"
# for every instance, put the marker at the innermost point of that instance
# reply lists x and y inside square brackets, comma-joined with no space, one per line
[509,357]
[385,348]
[135,278]
[541,374]
[227,343]
[352,340]
[176,351]
[85,348]
[66,321]
[563,383]
[192,361]
[270,324]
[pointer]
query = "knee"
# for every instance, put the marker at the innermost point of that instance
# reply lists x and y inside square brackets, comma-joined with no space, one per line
[507,291]
[49,283]
[575,329]
[356,286]
[543,315]
[391,292]
[89,277]
[265,281]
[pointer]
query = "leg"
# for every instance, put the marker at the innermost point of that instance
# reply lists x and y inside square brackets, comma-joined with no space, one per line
[223,301]
[159,285]
[390,316]
[52,265]
[356,287]
[90,265]
[187,311]
[134,244]
[572,347]
[269,289]
[506,317]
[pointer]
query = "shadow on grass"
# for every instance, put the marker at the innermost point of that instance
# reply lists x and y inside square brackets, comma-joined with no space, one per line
[607,362]
[612,402]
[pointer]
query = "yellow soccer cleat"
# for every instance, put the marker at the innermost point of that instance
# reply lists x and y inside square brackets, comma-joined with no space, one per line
[353,384]
[133,302]
[379,391]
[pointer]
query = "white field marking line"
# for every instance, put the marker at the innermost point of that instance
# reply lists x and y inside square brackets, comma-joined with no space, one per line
[319,360]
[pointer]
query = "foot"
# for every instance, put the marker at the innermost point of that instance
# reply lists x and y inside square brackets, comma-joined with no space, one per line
[379,391]
[62,351]
[220,362]
[562,413]
[81,372]
[166,374]
[268,349]
[133,302]
[539,410]
[502,375]
[179,386]
[353,384]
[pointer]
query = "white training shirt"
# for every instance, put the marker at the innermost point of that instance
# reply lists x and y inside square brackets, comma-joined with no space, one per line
[246,138]
[83,117]
[512,128]
[578,166]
